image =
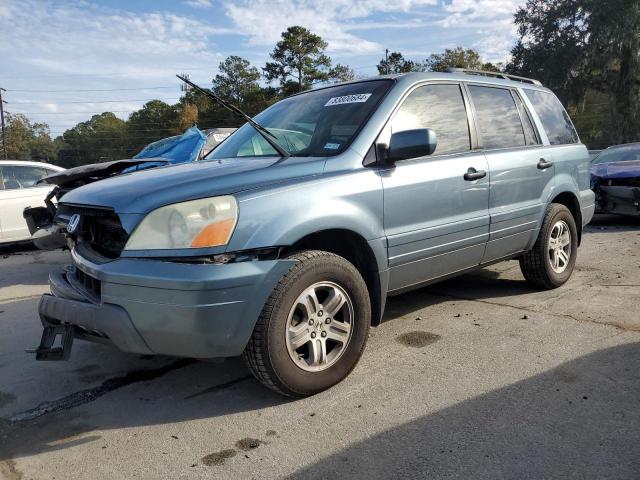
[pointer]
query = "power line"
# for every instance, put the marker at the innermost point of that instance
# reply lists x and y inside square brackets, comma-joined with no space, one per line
[93,90]
[97,101]
[104,75]
[80,112]
[136,130]
[152,127]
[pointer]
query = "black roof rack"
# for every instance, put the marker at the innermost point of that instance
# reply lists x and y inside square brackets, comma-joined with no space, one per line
[487,73]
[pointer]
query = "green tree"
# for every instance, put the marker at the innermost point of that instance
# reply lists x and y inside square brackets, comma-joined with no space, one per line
[552,45]
[28,141]
[187,117]
[100,139]
[493,67]
[583,50]
[458,57]
[396,63]
[342,73]
[454,58]
[298,60]
[614,59]
[237,81]
[155,120]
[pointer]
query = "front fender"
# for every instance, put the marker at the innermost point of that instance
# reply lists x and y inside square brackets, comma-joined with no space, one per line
[279,216]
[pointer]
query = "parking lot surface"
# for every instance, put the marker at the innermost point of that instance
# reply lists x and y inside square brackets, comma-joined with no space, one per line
[476,377]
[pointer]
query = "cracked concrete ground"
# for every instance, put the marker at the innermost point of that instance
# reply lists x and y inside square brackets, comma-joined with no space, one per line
[476,377]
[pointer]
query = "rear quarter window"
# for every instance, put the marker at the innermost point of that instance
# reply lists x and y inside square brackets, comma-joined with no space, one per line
[554,118]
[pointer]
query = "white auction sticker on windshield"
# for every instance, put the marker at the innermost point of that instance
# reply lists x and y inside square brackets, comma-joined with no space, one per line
[357,98]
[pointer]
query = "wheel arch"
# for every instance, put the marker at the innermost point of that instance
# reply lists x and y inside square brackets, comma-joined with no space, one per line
[570,200]
[354,248]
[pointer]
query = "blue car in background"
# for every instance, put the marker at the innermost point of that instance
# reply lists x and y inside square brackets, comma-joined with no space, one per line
[191,146]
[615,179]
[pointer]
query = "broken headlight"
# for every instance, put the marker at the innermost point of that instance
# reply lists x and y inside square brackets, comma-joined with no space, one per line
[208,222]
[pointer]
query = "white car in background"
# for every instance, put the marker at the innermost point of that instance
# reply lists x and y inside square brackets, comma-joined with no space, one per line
[19,189]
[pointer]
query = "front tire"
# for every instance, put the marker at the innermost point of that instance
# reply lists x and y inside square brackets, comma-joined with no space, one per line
[550,262]
[313,327]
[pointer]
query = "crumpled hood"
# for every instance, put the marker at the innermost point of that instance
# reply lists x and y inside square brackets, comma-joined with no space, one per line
[144,191]
[613,170]
[93,171]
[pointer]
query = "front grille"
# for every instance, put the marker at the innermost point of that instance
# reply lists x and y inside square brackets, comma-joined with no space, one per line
[99,228]
[91,285]
[105,235]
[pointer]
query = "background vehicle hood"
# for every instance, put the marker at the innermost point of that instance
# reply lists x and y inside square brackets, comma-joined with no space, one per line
[616,170]
[141,192]
[179,149]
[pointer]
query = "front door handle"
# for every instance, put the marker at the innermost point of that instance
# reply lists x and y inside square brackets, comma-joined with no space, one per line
[473,174]
[543,164]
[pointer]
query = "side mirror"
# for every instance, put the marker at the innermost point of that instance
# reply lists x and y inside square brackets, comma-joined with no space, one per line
[411,144]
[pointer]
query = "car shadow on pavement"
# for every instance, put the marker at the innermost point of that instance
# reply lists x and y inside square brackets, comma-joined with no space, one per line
[479,285]
[579,420]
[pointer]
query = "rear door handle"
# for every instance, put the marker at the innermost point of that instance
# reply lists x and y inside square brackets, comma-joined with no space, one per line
[543,164]
[473,174]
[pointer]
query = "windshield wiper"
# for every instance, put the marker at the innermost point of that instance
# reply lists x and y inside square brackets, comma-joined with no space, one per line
[266,134]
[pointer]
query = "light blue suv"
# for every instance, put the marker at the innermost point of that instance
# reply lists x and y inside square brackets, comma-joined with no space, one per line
[284,243]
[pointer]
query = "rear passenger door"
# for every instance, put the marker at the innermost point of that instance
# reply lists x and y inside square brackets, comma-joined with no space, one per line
[436,221]
[521,174]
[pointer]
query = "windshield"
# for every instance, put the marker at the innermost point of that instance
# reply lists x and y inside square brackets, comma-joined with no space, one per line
[620,154]
[321,122]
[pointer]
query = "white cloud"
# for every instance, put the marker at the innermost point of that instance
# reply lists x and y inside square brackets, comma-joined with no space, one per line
[491,21]
[62,46]
[198,3]
[264,20]
[483,8]
[77,44]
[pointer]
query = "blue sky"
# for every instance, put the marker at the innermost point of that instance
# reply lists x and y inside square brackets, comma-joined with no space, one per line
[63,60]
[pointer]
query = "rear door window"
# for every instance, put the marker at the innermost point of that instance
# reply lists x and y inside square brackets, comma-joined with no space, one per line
[440,108]
[554,118]
[497,117]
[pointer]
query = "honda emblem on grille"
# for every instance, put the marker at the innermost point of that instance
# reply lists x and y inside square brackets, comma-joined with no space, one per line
[74,221]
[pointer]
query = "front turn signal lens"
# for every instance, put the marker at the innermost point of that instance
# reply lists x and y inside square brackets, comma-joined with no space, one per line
[214,234]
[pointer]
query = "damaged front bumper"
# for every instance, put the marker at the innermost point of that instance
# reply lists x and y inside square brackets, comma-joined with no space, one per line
[45,233]
[162,307]
[618,199]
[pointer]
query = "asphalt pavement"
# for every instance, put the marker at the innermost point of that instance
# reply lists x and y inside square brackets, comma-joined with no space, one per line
[476,377]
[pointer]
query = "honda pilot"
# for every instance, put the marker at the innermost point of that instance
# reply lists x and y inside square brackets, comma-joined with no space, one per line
[284,243]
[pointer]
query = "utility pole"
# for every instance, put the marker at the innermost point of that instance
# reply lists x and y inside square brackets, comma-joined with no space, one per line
[386,61]
[4,141]
[185,88]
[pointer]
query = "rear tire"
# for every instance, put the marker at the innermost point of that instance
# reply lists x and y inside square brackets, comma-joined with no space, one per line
[297,348]
[550,262]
